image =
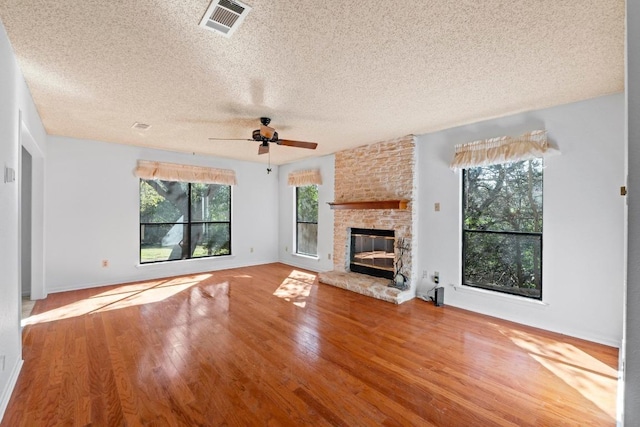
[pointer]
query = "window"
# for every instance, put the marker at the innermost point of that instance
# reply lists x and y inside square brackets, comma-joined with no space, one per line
[502,228]
[181,220]
[307,220]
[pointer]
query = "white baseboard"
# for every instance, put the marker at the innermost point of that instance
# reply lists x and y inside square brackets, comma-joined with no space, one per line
[155,271]
[302,265]
[572,332]
[6,393]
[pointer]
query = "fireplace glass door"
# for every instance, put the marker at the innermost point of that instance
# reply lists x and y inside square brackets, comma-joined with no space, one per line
[372,252]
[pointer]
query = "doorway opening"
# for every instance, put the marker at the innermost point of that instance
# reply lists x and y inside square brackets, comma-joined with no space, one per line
[26,196]
[31,220]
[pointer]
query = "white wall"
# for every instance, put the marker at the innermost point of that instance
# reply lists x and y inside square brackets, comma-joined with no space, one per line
[583,221]
[286,223]
[15,104]
[631,349]
[93,215]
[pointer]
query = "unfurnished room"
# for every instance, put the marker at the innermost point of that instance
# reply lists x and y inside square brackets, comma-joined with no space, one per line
[319,213]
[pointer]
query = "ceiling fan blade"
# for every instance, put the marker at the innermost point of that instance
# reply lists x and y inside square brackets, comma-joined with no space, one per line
[230,139]
[263,149]
[299,144]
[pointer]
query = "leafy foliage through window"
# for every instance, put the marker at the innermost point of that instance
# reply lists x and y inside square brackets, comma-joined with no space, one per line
[502,229]
[180,220]
[307,220]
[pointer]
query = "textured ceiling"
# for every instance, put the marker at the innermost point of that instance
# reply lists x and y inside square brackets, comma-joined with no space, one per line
[340,73]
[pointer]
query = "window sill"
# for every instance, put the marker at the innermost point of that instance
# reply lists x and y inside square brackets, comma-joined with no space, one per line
[512,298]
[316,258]
[184,261]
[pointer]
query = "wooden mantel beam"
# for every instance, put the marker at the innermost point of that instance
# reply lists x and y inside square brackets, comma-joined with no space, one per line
[371,204]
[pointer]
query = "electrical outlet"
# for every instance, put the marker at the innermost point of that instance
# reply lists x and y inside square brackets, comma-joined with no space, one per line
[436,277]
[425,274]
[286,248]
[328,256]
[251,250]
[2,363]
[105,263]
[436,207]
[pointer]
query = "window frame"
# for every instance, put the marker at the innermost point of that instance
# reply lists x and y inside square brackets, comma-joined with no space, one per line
[297,243]
[465,232]
[188,223]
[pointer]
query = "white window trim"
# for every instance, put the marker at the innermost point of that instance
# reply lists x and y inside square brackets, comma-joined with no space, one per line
[313,257]
[509,297]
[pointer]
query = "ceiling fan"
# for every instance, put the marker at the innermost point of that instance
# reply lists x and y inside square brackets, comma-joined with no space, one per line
[266,135]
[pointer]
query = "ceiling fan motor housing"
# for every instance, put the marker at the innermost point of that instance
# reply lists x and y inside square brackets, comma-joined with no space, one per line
[257,136]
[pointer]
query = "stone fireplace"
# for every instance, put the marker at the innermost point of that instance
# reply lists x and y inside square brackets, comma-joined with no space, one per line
[367,179]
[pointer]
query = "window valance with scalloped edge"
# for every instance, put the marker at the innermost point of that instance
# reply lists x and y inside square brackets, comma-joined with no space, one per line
[503,149]
[185,173]
[304,177]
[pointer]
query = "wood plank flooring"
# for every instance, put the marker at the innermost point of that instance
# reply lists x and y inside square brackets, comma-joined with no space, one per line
[268,345]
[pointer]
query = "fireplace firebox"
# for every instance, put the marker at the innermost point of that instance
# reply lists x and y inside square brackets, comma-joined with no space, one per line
[372,252]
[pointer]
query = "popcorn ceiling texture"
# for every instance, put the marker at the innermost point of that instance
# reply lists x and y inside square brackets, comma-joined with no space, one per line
[340,73]
[382,171]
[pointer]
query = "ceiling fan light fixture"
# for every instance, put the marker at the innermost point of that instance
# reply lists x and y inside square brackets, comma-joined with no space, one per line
[267,132]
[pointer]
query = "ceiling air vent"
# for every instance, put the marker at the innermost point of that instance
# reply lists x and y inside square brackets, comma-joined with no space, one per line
[141,126]
[224,16]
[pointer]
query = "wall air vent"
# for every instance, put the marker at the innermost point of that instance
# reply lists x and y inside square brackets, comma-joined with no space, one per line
[224,16]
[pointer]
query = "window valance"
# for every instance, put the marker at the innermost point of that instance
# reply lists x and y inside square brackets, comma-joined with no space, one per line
[305,177]
[185,173]
[503,149]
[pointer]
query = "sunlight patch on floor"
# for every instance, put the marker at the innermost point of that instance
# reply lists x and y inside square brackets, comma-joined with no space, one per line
[119,297]
[593,379]
[296,288]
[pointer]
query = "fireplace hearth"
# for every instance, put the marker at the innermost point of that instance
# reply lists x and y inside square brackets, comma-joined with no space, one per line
[372,252]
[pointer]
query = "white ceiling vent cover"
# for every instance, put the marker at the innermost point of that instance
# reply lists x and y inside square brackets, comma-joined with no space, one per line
[140,126]
[224,16]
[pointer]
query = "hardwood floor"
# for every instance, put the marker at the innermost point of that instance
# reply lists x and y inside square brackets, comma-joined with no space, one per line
[268,345]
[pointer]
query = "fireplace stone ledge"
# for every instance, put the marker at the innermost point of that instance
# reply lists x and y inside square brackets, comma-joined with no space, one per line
[366,285]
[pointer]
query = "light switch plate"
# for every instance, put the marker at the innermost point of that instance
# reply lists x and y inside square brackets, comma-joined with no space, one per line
[9,174]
